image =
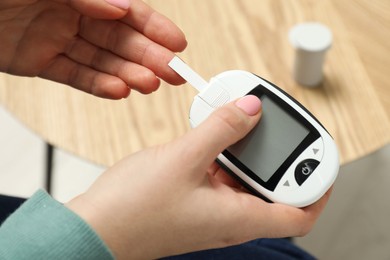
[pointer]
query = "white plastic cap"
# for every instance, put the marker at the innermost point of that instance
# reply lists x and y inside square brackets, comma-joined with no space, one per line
[311,41]
[311,36]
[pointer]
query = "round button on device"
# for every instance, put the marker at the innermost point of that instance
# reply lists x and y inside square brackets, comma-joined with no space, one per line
[304,169]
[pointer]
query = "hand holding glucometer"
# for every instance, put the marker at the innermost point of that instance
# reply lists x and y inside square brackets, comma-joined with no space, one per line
[288,158]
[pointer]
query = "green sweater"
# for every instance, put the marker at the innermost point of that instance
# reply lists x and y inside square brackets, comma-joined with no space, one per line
[43,228]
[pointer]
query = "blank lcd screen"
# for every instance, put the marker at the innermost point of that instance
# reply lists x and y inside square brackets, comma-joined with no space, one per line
[271,142]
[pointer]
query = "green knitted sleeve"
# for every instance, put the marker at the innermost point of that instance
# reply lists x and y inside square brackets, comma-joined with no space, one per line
[43,228]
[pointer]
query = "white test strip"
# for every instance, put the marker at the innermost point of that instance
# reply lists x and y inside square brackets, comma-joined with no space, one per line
[187,73]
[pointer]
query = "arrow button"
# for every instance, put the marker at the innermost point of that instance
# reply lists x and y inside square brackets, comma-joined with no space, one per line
[315,150]
[286,184]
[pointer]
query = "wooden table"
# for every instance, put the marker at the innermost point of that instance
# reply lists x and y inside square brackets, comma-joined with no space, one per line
[353,103]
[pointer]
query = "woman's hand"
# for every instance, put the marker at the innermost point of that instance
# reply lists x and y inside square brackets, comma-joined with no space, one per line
[101,48]
[174,198]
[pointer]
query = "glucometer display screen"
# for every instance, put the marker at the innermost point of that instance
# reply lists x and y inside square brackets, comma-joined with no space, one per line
[271,142]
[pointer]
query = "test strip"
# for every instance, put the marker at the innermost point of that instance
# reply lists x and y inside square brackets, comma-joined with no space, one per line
[187,73]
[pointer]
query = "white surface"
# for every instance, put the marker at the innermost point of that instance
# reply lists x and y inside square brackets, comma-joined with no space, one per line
[72,175]
[21,160]
[22,164]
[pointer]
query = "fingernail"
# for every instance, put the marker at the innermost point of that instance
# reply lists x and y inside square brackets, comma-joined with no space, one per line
[250,104]
[123,4]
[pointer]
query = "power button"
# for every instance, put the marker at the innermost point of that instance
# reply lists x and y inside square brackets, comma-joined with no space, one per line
[304,169]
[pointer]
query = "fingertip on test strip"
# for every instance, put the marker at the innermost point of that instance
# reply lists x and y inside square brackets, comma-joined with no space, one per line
[193,78]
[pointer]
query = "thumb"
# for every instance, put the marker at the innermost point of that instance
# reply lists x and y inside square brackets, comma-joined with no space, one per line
[101,9]
[224,127]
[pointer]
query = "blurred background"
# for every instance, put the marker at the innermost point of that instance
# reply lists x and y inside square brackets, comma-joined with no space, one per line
[355,224]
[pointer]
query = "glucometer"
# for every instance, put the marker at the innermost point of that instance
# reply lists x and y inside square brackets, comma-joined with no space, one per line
[289,157]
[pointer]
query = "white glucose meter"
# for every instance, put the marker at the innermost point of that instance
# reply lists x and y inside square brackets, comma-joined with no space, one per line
[288,157]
